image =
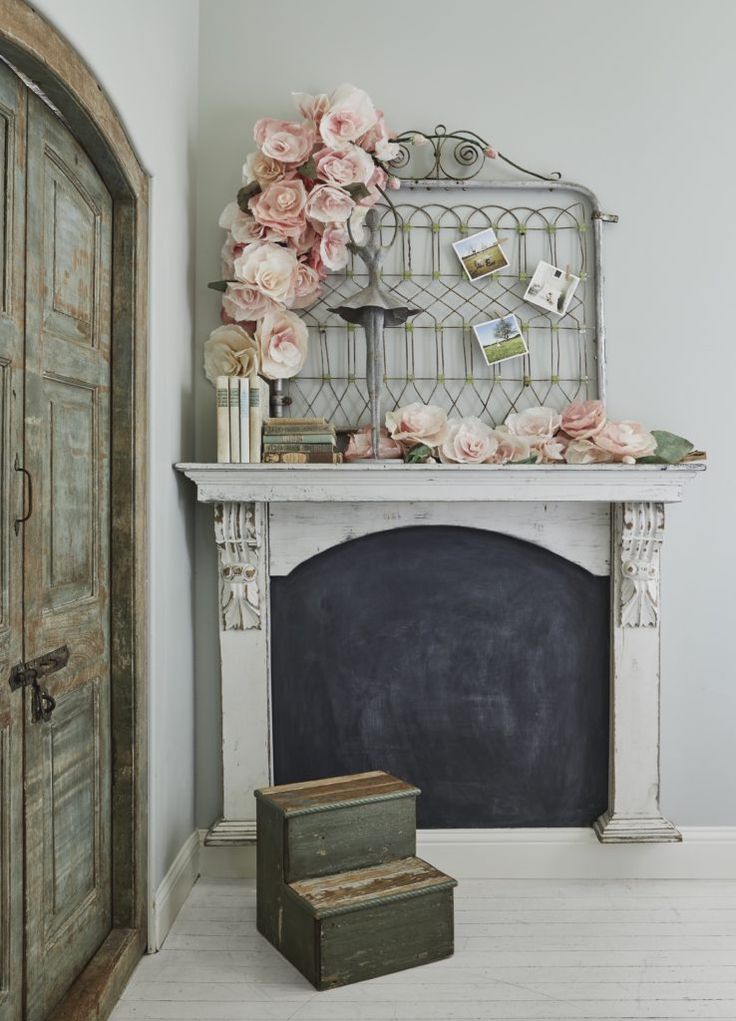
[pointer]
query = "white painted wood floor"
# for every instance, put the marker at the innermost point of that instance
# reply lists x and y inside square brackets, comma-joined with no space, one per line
[524,949]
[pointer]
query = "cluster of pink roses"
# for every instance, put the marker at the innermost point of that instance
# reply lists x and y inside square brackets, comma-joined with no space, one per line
[581,434]
[307,180]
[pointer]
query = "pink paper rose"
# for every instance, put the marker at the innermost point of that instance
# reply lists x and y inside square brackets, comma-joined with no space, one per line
[307,286]
[328,204]
[586,452]
[269,268]
[350,115]
[468,441]
[583,419]
[550,451]
[312,108]
[353,166]
[378,140]
[243,303]
[537,425]
[285,141]
[627,441]
[281,207]
[261,168]
[510,447]
[360,446]
[282,341]
[418,423]
[333,247]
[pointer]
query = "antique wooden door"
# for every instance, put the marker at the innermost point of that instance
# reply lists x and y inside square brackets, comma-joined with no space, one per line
[64,596]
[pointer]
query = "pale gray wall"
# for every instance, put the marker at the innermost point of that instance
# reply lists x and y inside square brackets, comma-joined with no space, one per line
[144,55]
[634,99]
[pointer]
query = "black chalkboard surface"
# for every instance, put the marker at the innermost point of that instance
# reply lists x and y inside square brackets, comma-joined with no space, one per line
[472,664]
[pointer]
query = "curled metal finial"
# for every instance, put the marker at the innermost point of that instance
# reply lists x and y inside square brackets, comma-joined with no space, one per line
[453,156]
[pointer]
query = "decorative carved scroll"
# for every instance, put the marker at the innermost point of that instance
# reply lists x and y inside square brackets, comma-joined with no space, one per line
[238,535]
[642,530]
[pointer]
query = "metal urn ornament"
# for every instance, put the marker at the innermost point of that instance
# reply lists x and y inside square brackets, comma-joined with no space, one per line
[374,308]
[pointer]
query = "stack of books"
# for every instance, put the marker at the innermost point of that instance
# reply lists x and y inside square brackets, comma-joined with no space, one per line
[242,405]
[299,441]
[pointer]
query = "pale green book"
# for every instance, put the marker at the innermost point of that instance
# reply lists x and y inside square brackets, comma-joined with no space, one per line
[244,411]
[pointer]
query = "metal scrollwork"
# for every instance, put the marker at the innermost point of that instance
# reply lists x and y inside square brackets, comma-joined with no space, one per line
[450,156]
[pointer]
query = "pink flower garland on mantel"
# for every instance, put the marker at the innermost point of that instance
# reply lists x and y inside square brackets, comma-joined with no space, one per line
[581,434]
[289,225]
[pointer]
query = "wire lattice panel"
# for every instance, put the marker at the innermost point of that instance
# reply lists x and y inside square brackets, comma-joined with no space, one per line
[435,358]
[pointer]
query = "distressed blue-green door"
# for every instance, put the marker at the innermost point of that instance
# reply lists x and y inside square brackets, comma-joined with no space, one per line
[66,558]
[12,313]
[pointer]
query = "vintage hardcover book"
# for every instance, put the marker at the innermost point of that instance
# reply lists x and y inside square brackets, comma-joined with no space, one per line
[300,457]
[244,418]
[297,423]
[223,419]
[234,408]
[260,395]
[296,448]
[296,437]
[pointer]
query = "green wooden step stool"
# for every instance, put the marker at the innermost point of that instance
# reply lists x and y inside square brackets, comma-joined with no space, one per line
[341,893]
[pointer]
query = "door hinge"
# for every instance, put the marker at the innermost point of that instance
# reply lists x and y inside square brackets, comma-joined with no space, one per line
[27,675]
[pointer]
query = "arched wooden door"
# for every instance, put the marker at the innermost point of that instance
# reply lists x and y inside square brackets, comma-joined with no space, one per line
[56,590]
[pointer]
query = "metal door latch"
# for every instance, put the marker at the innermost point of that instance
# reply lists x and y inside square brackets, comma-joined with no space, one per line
[27,675]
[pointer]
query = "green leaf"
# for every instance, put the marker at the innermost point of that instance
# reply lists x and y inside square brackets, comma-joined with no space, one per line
[308,170]
[220,285]
[246,193]
[357,191]
[670,448]
[418,454]
[526,460]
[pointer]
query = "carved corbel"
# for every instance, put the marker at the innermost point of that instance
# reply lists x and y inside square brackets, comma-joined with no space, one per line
[642,530]
[238,535]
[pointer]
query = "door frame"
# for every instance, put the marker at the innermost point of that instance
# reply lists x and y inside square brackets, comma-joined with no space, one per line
[37,49]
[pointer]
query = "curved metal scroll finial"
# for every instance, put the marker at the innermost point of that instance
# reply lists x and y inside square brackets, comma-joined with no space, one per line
[453,156]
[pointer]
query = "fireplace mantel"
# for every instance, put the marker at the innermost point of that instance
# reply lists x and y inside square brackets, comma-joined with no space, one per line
[392,481]
[607,518]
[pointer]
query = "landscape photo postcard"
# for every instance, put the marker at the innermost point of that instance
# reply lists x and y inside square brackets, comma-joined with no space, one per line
[480,254]
[501,339]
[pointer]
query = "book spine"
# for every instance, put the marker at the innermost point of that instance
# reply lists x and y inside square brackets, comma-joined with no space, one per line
[223,419]
[297,448]
[269,437]
[302,458]
[259,396]
[244,413]
[234,419]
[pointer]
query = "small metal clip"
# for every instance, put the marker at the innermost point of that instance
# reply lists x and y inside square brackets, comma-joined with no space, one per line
[598,214]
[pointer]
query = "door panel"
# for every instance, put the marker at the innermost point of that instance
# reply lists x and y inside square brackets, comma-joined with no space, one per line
[66,562]
[12,267]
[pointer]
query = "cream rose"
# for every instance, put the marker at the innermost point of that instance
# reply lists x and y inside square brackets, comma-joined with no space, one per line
[418,423]
[333,247]
[312,108]
[468,441]
[262,169]
[586,452]
[229,351]
[583,419]
[510,447]
[282,340]
[328,204]
[284,141]
[269,268]
[550,451]
[245,303]
[307,286]
[537,425]
[627,441]
[360,446]
[353,166]
[350,114]
[280,206]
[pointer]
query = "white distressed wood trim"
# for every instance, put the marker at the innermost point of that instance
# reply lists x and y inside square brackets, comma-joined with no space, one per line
[239,537]
[172,891]
[580,532]
[226,833]
[706,852]
[396,482]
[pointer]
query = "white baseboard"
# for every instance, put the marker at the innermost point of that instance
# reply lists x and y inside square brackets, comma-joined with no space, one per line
[173,890]
[706,852]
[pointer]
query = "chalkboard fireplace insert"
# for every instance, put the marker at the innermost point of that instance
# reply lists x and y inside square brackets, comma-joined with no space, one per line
[586,540]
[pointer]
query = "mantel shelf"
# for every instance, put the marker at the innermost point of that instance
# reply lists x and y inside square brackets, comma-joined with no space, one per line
[389,481]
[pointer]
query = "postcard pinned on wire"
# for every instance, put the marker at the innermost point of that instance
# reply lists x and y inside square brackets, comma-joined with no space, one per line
[551,288]
[501,339]
[480,254]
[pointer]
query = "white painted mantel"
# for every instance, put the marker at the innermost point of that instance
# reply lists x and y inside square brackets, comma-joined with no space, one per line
[607,518]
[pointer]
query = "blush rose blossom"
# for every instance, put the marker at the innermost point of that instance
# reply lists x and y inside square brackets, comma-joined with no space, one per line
[349,115]
[583,419]
[360,446]
[510,447]
[282,343]
[333,247]
[353,166]
[270,268]
[627,441]
[263,169]
[468,441]
[229,351]
[417,423]
[284,141]
[328,204]
[244,303]
[536,425]
[312,108]
[280,206]
[307,286]
[585,451]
